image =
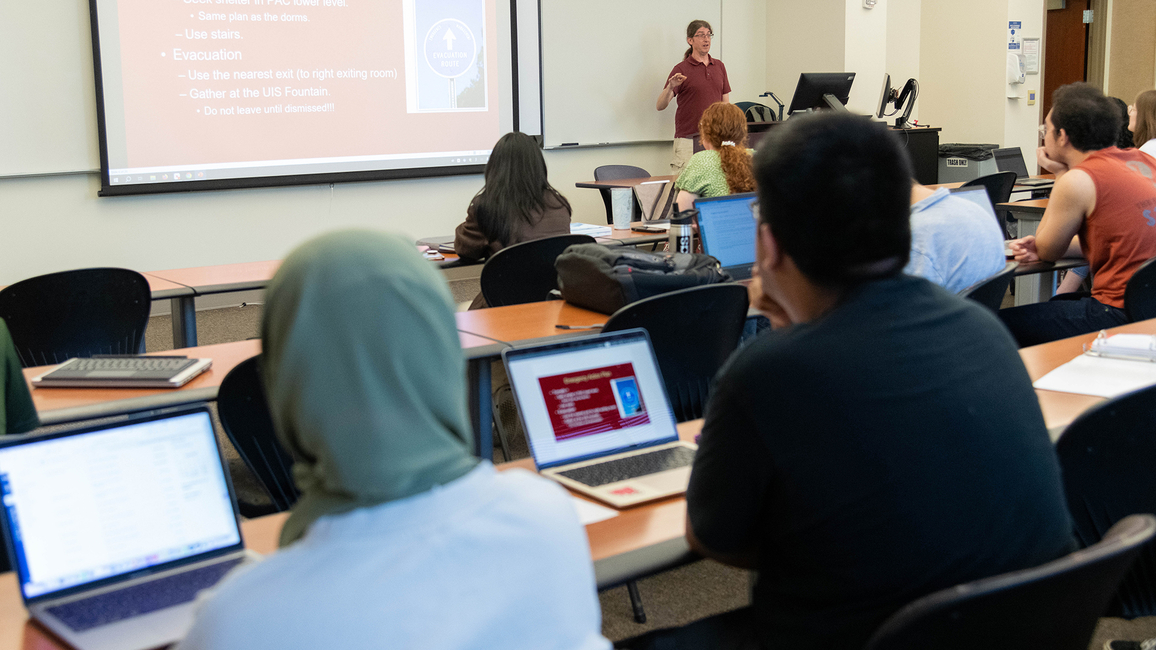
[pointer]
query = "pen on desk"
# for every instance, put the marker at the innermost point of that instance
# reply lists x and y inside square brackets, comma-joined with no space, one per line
[578,327]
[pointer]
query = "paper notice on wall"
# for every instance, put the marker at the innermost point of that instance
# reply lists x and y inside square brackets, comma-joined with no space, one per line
[1014,38]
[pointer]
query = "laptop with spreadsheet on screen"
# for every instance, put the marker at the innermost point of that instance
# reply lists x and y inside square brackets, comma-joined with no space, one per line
[597,417]
[113,529]
[727,229]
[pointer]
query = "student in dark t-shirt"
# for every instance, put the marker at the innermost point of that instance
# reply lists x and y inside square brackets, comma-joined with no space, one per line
[881,443]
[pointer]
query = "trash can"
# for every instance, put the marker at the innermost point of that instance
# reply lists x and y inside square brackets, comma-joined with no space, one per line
[965,162]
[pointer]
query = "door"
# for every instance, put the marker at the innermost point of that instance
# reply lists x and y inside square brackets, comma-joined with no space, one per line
[1065,58]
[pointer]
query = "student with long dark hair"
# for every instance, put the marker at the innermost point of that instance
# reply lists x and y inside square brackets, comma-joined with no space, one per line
[516,204]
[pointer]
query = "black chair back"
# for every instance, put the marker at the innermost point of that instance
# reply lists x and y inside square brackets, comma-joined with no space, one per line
[999,187]
[245,418]
[756,112]
[79,313]
[525,272]
[989,292]
[1054,606]
[1106,456]
[615,172]
[693,331]
[1140,293]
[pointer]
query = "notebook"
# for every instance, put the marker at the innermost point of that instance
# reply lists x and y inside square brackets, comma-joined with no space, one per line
[113,529]
[597,417]
[1012,160]
[728,229]
[123,372]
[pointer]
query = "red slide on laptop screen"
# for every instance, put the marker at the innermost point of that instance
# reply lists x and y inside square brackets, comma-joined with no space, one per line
[593,401]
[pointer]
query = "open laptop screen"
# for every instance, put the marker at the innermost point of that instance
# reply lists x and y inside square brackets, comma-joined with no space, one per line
[978,196]
[1011,160]
[91,505]
[590,397]
[727,228]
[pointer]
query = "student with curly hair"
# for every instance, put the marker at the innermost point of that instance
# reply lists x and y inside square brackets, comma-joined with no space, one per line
[725,165]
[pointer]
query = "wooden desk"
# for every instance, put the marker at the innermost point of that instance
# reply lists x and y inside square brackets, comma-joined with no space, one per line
[640,541]
[622,182]
[1015,188]
[1027,215]
[1061,408]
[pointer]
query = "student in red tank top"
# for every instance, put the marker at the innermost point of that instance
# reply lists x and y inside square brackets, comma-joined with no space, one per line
[1103,208]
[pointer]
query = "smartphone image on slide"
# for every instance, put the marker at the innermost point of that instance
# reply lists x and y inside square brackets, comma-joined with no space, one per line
[445,55]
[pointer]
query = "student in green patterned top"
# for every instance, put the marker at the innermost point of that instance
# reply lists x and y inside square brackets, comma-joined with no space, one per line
[17,414]
[725,166]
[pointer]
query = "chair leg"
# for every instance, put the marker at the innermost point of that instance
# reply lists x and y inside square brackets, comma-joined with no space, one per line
[501,430]
[636,602]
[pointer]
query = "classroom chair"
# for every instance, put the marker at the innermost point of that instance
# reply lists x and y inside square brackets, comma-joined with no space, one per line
[693,332]
[989,292]
[615,172]
[999,188]
[244,415]
[756,112]
[55,317]
[1140,293]
[525,272]
[1106,456]
[1055,606]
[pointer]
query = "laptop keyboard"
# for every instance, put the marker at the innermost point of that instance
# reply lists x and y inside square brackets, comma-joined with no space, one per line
[136,367]
[152,596]
[631,466]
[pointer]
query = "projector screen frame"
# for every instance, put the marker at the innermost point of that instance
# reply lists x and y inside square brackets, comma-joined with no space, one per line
[108,189]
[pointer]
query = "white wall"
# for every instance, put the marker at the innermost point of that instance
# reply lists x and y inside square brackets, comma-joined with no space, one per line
[903,39]
[865,53]
[1021,121]
[803,36]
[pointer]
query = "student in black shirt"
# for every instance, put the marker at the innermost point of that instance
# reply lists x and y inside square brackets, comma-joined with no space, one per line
[884,441]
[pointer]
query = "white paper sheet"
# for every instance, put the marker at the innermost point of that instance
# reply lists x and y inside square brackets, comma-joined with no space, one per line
[577,228]
[589,512]
[1099,376]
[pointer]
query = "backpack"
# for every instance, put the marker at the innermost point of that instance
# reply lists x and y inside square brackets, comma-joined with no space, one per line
[606,278]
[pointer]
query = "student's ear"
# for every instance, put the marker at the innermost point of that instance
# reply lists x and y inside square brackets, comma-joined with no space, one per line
[768,253]
[1062,138]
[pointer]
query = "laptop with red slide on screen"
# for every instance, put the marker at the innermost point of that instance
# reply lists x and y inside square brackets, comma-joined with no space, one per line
[597,417]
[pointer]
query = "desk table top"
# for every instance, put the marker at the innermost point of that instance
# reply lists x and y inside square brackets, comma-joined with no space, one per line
[622,182]
[1025,208]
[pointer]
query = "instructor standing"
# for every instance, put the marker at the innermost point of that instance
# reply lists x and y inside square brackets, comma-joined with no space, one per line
[697,82]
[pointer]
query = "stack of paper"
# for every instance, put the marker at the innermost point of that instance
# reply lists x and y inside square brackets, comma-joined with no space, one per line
[577,228]
[1113,366]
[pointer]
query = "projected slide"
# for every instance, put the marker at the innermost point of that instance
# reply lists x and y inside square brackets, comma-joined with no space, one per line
[593,401]
[199,90]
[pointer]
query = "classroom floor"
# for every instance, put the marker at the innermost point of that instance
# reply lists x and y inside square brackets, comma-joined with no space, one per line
[672,598]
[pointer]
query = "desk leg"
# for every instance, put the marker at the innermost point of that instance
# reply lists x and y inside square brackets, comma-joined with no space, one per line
[1038,287]
[481,413]
[184,312]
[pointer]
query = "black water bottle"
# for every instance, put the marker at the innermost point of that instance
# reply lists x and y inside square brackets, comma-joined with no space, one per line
[682,232]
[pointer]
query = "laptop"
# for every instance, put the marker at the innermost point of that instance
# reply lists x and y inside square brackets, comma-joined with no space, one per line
[980,197]
[114,529]
[123,372]
[655,199]
[597,417]
[1011,159]
[728,232]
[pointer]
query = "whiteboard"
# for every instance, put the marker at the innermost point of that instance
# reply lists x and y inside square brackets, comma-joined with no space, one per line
[604,62]
[47,98]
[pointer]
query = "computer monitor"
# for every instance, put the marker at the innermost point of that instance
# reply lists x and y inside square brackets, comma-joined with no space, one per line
[820,90]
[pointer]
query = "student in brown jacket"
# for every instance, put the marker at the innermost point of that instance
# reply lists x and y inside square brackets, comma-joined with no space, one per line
[516,204]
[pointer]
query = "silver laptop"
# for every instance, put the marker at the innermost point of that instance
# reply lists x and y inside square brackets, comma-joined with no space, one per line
[114,529]
[728,232]
[597,417]
[1011,159]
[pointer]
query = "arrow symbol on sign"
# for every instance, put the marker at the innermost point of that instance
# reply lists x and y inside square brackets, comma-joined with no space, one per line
[449,38]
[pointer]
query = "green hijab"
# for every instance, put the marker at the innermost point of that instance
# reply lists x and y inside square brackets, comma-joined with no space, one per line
[364,374]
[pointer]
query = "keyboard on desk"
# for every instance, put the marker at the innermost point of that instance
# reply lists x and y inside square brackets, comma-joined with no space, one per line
[144,598]
[630,467]
[158,372]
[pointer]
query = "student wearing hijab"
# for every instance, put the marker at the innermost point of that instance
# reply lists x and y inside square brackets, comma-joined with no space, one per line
[401,537]
[17,413]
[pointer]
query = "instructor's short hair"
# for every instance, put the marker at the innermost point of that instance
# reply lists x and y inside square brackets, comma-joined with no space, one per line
[835,190]
[1089,118]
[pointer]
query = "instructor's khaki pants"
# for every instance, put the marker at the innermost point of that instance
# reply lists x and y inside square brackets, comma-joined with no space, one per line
[683,149]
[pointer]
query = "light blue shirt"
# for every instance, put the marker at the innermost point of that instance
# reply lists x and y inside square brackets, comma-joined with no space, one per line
[491,560]
[954,242]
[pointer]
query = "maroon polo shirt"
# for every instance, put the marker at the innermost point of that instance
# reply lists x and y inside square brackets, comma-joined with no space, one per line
[705,84]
